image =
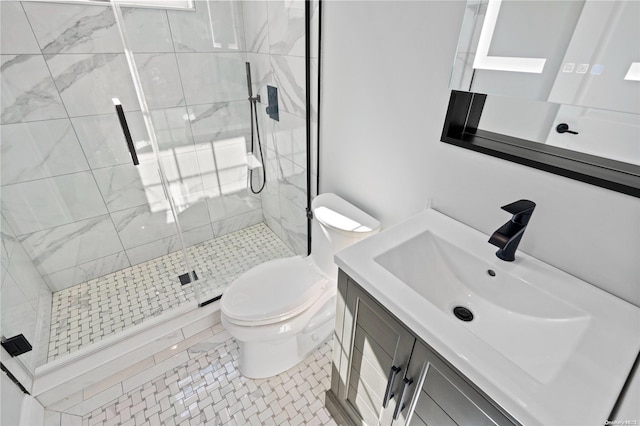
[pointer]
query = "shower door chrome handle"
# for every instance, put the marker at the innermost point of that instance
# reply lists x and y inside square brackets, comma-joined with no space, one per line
[125,130]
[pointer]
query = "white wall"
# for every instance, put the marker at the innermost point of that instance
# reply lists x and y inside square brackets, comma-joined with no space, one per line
[385,73]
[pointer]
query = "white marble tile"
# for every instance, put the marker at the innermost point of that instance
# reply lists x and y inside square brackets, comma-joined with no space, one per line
[127,186]
[212,77]
[16,35]
[288,138]
[45,203]
[223,164]
[214,26]
[28,92]
[41,342]
[289,76]
[153,249]
[147,30]
[88,405]
[270,196]
[286,27]
[29,279]
[160,79]
[68,28]
[158,369]
[173,131]
[88,82]
[292,192]
[183,177]
[52,418]
[66,246]
[192,213]
[206,345]
[143,224]
[7,242]
[38,150]
[197,235]
[256,27]
[103,142]
[232,224]
[211,122]
[18,316]
[294,227]
[69,277]
[293,183]
[232,204]
[71,420]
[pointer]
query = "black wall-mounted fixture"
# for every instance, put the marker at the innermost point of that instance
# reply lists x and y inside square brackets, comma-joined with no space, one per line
[16,345]
[564,128]
[461,129]
[272,99]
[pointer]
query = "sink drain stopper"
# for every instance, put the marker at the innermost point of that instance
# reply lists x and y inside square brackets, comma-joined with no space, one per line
[463,313]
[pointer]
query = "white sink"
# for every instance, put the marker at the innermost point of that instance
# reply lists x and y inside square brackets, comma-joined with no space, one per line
[523,322]
[540,341]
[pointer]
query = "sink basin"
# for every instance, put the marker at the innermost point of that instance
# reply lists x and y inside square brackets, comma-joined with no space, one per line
[540,340]
[519,320]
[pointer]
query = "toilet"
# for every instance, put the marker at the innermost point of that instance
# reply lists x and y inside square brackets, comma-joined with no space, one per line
[282,310]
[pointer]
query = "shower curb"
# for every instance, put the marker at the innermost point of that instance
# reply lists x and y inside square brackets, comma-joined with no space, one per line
[66,384]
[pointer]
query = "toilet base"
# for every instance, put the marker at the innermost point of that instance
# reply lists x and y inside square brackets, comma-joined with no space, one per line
[262,359]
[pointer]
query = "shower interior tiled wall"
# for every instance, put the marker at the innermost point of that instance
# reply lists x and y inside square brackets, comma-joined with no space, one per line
[73,206]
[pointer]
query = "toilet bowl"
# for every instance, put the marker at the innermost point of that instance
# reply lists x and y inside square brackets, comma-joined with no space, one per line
[282,310]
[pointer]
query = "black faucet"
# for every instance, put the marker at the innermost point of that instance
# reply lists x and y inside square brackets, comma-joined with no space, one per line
[508,236]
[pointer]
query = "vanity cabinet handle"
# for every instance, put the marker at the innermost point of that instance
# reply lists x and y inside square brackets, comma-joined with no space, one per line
[125,130]
[388,394]
[400,404]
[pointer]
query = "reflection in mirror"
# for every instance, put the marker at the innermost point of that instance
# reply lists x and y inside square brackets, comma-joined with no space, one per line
[573,64]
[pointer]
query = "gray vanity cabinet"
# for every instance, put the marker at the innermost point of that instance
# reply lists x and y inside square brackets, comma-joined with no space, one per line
[383,375]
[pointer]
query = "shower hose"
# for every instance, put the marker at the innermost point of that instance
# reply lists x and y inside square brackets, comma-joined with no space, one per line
[254,115]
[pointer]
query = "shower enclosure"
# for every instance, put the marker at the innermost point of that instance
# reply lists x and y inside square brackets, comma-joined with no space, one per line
[93,243]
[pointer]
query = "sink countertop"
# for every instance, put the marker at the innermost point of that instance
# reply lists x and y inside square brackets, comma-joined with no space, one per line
[582,392]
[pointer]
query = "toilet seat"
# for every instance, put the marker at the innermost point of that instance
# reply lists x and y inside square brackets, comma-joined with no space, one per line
[272,292]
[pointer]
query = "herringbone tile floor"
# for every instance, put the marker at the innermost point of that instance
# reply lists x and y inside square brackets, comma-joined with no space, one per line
[209,390]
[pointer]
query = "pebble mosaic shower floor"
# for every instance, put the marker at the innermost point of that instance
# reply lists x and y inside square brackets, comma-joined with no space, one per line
[209,390]
[88,312]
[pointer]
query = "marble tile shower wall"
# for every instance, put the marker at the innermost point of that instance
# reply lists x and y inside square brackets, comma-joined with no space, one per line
[275,40]
[75,202]
[26,302]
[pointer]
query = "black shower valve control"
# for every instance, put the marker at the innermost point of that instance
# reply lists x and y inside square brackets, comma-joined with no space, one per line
[272,100]
[564,128]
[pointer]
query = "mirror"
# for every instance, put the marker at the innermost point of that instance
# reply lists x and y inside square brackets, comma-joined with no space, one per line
[562,73]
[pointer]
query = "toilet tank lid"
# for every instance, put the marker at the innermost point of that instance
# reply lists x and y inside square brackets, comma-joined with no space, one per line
[335,212]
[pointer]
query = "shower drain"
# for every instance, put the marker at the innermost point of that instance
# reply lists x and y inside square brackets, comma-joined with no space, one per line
[463,313]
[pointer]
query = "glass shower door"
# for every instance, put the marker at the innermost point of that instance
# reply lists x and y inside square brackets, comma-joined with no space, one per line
[91,244]
[190,64]
[164,163]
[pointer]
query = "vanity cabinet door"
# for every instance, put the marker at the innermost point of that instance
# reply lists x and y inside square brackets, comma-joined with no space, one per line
[379,349]
[442,397]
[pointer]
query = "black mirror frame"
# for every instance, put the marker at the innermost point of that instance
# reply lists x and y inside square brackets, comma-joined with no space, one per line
[461,129]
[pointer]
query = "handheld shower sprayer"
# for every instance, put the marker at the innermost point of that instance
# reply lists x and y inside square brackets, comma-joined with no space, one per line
[254,116]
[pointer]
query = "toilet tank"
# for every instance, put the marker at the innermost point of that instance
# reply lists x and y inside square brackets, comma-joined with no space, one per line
[336,224]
